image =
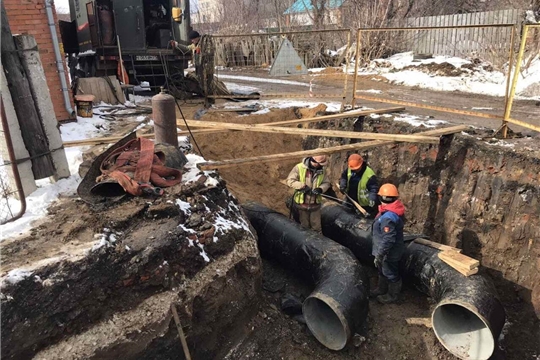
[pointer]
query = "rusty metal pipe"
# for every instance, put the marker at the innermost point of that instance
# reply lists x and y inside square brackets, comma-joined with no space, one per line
[14,167]
[164,113]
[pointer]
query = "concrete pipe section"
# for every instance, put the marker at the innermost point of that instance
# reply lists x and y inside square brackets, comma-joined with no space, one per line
[339,303]
[468,318]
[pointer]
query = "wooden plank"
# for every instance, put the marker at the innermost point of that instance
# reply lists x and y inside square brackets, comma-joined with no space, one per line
[180,122]
[113,139]
[327,151]
[233,110]
[33,133]
[315,132]
[457,266]
[437,245]
[419,321]
[467,262]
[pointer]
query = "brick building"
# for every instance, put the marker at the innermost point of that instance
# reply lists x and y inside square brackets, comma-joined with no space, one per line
[30,17]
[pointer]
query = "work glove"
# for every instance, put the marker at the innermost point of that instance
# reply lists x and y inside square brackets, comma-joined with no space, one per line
[342,190]
[305,190]
[317,191]
[378,262]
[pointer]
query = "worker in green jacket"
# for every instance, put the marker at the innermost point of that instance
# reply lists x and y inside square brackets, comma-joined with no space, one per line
[309,180]
[360,183]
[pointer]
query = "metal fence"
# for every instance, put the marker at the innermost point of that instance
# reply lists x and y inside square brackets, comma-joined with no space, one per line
[318,58]
[372,42]
[12,198]
[488,43]
[529,50]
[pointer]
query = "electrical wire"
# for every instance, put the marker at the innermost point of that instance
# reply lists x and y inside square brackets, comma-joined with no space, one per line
[188,128]
[167,83]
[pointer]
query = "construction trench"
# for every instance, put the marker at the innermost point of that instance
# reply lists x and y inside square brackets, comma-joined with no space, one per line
[99,281]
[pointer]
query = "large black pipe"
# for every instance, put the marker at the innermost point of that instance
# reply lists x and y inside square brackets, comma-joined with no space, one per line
[468,318]
[339,303]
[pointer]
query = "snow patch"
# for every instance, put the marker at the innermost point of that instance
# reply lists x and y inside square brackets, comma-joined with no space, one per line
[184,206]
[417,121]
[264,80]
[371,91]
[479,80]
[501,143]
[14,276]
[240,88]
[188,230]
[203,253]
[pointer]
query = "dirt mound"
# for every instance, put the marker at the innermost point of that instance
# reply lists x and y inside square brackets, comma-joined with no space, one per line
[442,69]
[258,182]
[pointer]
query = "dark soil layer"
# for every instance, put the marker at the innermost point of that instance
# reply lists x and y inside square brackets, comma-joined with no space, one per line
[143,252]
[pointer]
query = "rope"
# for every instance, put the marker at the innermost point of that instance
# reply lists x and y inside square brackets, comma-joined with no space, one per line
[167,77]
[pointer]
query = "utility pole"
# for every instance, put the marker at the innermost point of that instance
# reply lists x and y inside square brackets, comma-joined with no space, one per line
[33,134]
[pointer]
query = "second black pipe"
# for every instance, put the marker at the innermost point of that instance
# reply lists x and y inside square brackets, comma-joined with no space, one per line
[339,303]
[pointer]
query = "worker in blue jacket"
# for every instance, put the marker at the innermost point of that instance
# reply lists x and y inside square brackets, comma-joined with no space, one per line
[388,245]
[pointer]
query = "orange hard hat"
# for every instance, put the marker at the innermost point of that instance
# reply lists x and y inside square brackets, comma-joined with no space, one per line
[355,161]
[320,159]
[389,190]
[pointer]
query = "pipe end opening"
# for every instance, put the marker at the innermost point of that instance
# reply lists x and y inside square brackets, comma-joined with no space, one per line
[463,332]
[325,323]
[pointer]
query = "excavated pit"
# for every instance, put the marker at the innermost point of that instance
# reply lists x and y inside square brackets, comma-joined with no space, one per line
[472,191]
[111,302]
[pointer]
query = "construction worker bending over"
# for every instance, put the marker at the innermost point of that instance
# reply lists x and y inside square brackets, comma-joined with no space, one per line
[359,182]
[309,181]
[388,245]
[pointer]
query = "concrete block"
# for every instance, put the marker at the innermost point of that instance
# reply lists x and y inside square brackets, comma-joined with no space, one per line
[40,91]
[25,168]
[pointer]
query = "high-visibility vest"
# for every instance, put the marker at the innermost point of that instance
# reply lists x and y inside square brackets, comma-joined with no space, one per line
[302,170]
[362,195]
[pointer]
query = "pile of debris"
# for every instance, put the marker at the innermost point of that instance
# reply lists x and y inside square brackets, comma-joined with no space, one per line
[105,287]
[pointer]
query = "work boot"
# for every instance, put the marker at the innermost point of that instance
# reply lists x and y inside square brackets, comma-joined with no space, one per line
[382,287]
[393,293]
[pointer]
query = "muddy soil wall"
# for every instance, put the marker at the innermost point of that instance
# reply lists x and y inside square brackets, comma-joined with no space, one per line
[468,193]
[191,247]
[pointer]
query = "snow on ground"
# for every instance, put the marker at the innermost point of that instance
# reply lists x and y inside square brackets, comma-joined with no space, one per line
[371,91]
[264,80]
[400,69]
[332,106]
[240,88]
[47,192]
[418,120]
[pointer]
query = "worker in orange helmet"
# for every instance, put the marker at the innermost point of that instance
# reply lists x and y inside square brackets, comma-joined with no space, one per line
[388,245]
[309,180]
[360,183]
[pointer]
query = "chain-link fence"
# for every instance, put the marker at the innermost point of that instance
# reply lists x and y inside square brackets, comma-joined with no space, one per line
[286,64]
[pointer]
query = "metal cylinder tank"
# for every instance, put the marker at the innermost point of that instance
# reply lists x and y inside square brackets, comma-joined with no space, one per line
[164,115]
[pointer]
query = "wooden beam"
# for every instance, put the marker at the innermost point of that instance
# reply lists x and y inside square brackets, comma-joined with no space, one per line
[456,265]
[465,261]
[355,113]
[419,321]
[33,133]
[316,132]
[436,245]
[113,139]
[180,122]
[330,150]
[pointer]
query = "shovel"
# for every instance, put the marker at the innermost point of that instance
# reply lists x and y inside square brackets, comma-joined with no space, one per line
[356,205]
